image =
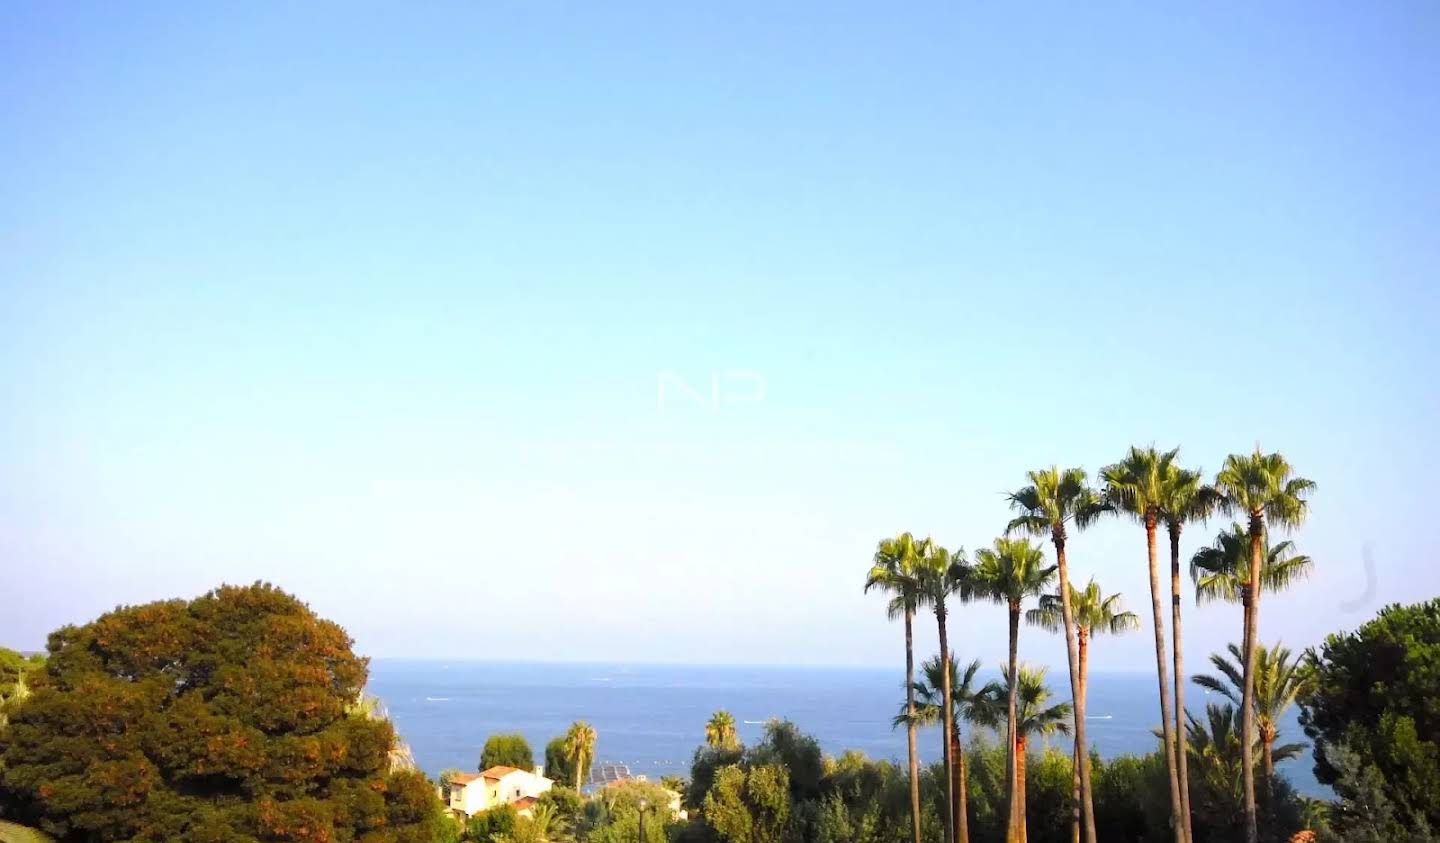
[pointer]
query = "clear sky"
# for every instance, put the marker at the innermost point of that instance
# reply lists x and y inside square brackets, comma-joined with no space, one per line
[397,306]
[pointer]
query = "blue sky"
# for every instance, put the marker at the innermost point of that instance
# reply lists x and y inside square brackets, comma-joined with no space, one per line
[376,302]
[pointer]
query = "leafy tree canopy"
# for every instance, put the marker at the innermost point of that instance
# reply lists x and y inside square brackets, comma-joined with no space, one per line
[1373,711]
[509,750]
[558,763]
[750,807]
[224,719]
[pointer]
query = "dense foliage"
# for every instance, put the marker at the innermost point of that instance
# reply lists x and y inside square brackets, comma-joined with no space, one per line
[225,719]
[783,788]
[509,750]
[558,763]
[14,667]
[612,815]
[1373,711]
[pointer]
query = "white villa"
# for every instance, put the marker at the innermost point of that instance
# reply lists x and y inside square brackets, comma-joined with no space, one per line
[471,793]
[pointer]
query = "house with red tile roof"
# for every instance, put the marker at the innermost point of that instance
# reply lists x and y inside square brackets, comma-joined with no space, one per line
[471,793]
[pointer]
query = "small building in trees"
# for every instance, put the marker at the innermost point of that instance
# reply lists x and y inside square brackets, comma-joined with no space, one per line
[471,793]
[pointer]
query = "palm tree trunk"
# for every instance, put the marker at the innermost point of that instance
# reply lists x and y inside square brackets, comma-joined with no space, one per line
[1075,792]
[948,721]
[1267,764]
[1181,760]
[1247,703]
[962,795]
[1082,646]
[1012,771]
[1082,636]
[1020,782]
[1162,672]
[1084,804]
[910,725]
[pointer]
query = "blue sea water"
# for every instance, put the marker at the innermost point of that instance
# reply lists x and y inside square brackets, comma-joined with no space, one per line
[652,717]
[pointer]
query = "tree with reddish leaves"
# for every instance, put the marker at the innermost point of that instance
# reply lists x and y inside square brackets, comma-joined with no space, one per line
[225,719]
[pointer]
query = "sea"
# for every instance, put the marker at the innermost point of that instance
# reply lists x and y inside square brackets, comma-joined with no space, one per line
[651,717]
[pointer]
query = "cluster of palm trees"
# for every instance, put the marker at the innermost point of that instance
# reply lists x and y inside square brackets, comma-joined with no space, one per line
[1151,488]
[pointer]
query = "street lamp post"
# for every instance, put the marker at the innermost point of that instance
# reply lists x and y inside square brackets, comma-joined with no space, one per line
[643,806]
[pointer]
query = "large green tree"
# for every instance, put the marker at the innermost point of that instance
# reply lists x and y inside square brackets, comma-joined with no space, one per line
[1136,487]
[224,719]
[1008,573]
[1373,713]
[558,764]
[1053,501]
[750,806]
[507,750]
[1265,489]
[894,570]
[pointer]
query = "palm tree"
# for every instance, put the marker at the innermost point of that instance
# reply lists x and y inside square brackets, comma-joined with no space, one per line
[1215,749]
[895,571]
[1135,486]
[1279,679]
[941,575]
[1216,752]
[1053,499]
[1027,716]
[1263,487]
[1186,499]
[544,825]
[18,694]
[580,747]
[1094,614]
[1221,570]
[720,730]
[965,702]
[1008,573]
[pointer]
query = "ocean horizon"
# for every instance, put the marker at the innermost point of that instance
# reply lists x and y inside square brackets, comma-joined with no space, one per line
[651,716]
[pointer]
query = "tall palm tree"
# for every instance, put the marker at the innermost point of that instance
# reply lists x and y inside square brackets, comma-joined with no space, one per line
[1051,501]
[941,575]
[1135,486]
[1279,679]
[1221,570]
[966,700]
[580,747]
[1186,499]
[1094,614]
[1011,571]
[720,730]
[895,570]
[1027,716]
[1263,487]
